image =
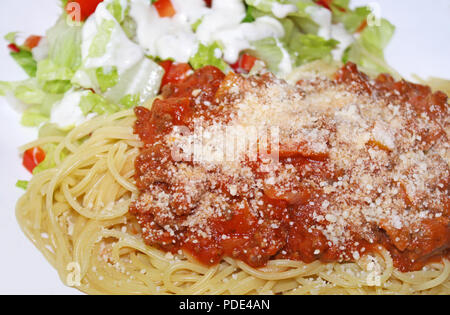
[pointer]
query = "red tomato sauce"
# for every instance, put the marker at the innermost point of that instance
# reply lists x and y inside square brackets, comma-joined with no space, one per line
[238,233]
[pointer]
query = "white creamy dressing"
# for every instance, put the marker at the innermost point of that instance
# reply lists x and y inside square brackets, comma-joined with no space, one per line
[67,112]
[238,38]
[40,52]
[165,37]
[282,10]
[174,38]
[190,10]
[121,52]
[328,30]
[339,33]
[322,17]
[222,24]
[285,66]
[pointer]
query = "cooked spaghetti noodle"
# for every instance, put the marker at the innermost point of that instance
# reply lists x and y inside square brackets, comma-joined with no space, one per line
[76,215]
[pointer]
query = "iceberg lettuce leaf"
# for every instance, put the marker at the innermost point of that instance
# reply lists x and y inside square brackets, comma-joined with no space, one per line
[308,47]
[24,58]
[65,45]
[107,77]
[209,55]
[368,50]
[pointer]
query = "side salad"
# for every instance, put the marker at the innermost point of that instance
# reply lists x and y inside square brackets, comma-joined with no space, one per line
[105,56]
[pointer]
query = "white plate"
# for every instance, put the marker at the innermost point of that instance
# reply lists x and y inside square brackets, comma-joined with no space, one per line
[420,46]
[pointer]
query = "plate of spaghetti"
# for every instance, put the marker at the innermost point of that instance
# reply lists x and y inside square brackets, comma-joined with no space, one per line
[231,147]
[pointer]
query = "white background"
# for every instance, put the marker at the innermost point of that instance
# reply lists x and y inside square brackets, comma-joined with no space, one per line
[421,45]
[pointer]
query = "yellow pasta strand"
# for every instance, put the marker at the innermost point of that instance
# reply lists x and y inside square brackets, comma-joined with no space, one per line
[76,214]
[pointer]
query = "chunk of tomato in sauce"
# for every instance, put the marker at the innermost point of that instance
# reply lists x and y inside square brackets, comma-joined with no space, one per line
[178,108]
[244,64]
[165,113]
[206,79]
[174,72]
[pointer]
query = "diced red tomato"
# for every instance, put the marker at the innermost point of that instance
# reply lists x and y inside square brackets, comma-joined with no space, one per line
[32,158]
[208,3]
[87,7]
[32,41]
[175,72]
[13,48]
[164,8]
[245,63]
[362,27]
[325,3]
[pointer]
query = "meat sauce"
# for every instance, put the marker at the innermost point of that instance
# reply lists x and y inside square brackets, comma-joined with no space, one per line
[283,227]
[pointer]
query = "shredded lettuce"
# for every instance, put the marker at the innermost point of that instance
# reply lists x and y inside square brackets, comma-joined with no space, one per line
[263,5]
[29,93]
[101,39]
[303,19]
[50,130]
[57,86]
[209,55]
[269,51]
[258,8]
[300,38]
[107,77]
[352,19]
[55,72]
[50,71]
[143,80]
[30,98]
[119,9]
[309,47]
[105,44]
[289,29]
[131,100]
[33,117]
[94,103]
[269,6]
[49,161]
[10,37]
[65,45]
[368,50]
[36,115]
[100,59]
[25,59]
[129,26]
[53,78]
[249,15]
[4,88]
[22,184]
[107,51]
[52,75]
